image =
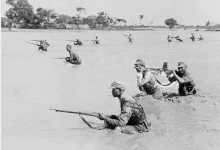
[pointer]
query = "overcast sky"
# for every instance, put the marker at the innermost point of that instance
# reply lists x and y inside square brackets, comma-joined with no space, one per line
[187,12]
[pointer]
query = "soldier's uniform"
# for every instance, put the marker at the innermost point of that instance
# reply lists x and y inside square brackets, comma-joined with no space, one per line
[43,45]
[132,118]
[150,87]
[73,59]
[188,87]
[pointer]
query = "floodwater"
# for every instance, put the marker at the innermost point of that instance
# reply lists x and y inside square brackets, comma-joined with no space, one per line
[33,81]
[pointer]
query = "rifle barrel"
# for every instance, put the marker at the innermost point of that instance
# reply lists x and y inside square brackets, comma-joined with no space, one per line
[124,34]
[93,114]
[71,40]
[33,43]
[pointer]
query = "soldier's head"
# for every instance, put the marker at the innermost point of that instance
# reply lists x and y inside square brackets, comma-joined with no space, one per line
[117,89]
[182,67]
[139,65]
[68,47]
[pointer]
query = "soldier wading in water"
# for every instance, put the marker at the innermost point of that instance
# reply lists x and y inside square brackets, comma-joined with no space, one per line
[74,58]
[132,118]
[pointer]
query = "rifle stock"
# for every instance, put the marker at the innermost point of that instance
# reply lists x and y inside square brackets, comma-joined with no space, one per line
[93,114]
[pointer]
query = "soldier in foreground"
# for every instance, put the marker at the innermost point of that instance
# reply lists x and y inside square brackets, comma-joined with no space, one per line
[183,77]
[74,58]
[132,118]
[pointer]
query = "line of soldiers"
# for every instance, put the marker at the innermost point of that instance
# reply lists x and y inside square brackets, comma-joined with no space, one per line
[74,57]
[132,118]
[169,38]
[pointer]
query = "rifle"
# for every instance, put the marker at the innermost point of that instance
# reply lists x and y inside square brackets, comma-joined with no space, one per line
[60,58]
[36,40]
[160,70]
[124,35]
[71,40]
[93,114]
[33,43]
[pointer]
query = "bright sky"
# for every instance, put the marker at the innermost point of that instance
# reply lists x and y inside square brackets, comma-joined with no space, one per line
[187,12]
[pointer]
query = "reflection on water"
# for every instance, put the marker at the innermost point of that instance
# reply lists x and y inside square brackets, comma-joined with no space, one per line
[33,81]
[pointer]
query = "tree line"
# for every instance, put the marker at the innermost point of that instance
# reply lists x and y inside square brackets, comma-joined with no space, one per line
[21,14]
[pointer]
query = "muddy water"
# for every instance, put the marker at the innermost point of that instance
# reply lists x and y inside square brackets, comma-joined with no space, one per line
[32,81]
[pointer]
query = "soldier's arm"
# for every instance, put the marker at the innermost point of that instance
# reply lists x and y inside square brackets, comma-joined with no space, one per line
[122,118]
[142,80]
[179,79]
[187,78]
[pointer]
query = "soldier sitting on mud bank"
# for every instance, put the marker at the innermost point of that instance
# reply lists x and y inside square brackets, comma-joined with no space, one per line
[183,77]
[146,81]
[132,118]
[74,58]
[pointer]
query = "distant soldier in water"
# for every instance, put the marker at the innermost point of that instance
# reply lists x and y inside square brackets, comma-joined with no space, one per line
[77,42]
[200,38]
[132,118]
[177,38]
[192,37]
[186,83]
[96,41]
[146,81]
[43,45]
[169,39]
[130,39]
[74,58]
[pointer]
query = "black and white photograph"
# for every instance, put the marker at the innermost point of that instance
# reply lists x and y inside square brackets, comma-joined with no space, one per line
[110,75]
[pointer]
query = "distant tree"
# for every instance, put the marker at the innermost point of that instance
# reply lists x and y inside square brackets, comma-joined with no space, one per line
[80,10]
[171,23]
[5,22]
[63,20]
[140,18]
[90,21]
[43,16]
[122,21]
[21,12]
[103,20]
[207,23]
